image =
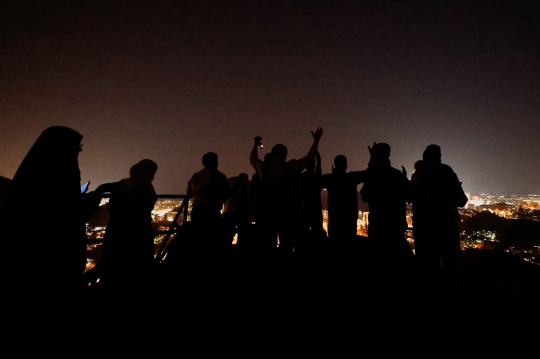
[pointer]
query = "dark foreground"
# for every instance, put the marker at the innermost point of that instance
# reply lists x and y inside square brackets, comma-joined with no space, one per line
[331,294]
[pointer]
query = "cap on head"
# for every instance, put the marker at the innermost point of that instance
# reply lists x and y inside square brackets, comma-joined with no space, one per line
[432,154]
[210,159]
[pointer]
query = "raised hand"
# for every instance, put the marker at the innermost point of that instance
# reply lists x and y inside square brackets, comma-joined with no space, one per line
[370,149]
[258,139]
[318,134]
[403,171]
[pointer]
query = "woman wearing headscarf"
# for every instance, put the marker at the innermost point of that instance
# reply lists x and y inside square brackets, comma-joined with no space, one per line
[41,227]
[128,245]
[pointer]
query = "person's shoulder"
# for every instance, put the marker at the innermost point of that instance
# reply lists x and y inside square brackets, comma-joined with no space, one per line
[394,172]
[447,168]
[221,176]
[291,163]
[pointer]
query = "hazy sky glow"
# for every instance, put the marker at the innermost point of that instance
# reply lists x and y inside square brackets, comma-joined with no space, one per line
[171,80]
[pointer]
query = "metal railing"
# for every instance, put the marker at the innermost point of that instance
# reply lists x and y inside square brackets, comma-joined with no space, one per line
[172,230]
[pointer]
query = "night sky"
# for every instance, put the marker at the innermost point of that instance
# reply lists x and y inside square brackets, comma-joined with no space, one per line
[172,80]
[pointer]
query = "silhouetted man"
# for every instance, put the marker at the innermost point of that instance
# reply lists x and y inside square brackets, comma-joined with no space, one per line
[280,201]
[436,194]
[236,212]
[342,199]
[210,189]
[311,182]
[386,190]
[255,188]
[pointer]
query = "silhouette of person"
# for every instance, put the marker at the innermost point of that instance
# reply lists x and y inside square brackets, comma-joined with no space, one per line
[418,164]
[209,189]
[311,181]
[386,190]
[236,212]
[4,186]
[342,199]
[436,193]
[280,201]
[128,243]
[255,187]
[47,186]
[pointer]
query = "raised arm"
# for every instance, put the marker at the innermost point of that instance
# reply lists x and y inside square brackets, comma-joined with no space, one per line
[302,163]
[318,167]
[256,163]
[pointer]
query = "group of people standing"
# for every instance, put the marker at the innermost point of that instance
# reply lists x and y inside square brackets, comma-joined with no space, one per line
[286,207]
[282,201]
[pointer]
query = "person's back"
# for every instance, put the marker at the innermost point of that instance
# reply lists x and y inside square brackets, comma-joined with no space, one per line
[239,200]
[281,181]
[386,191]
[311,183]
[281,201]
[209,189]
[431,192]
[436,194]
[342,189]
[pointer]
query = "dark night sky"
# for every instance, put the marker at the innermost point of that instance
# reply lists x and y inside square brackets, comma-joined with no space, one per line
[171,80]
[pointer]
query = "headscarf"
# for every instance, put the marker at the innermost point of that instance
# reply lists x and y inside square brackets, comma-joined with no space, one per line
[46,186]
[51,163]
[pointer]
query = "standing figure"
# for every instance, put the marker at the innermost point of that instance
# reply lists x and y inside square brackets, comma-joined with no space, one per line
[342,199]
[436,195]
[255,189]
[236,211]
[128,243]
[42,226]
[386,190]
[280,202]
[209,189]
[311,181]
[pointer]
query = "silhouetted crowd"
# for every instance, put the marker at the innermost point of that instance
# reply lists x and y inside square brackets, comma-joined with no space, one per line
[275,214]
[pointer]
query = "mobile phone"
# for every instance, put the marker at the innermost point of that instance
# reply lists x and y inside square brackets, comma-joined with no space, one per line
[261,145]
[84,187]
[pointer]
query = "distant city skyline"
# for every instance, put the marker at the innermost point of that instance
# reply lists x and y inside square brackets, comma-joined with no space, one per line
[172,80]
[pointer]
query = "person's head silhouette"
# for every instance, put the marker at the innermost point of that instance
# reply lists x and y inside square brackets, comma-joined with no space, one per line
[279,152]
[432,154]
[340,163]
[418,164]
[143,171]
[210,160]
[382,151]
